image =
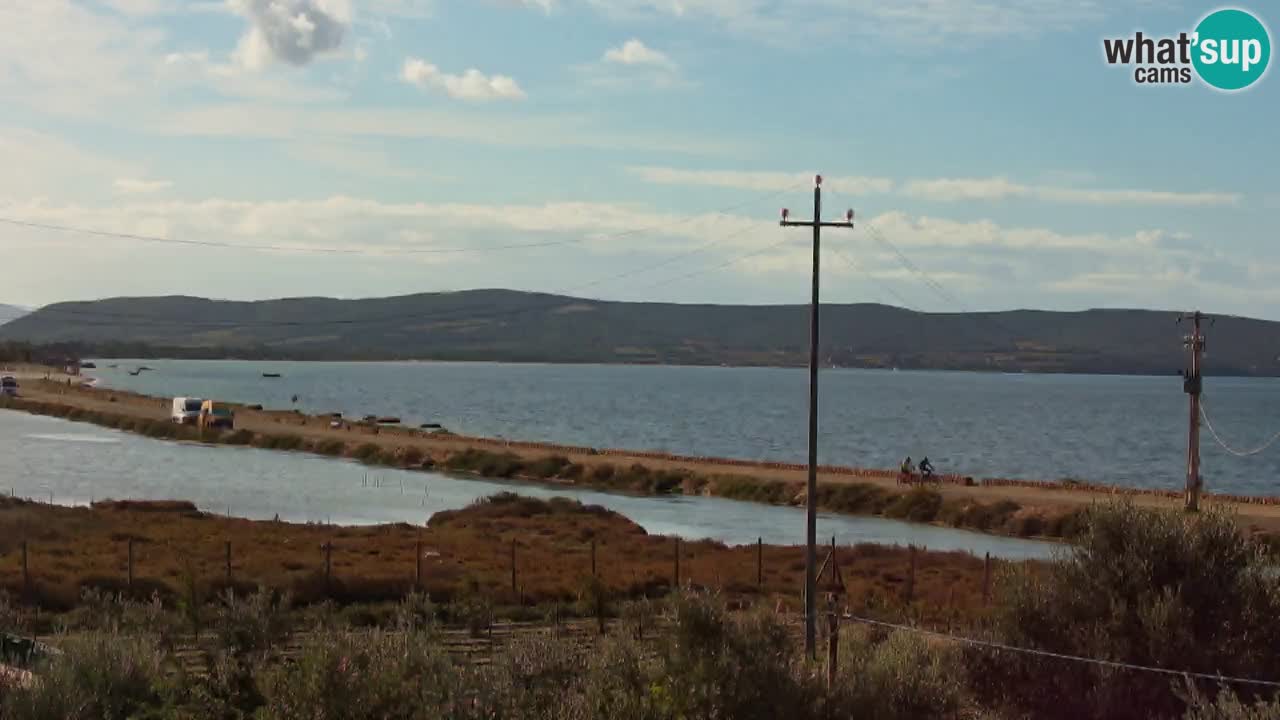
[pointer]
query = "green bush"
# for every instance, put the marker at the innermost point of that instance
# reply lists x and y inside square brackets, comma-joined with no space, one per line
[238,437]
[485,463]
[1143,586]
[253,625]
[366,452]
[899,677]
[367,677]
[332,448]
[918,505]
[99,675]
[547,467]
[741,487]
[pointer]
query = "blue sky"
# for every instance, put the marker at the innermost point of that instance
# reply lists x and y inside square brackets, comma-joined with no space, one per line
[987,140]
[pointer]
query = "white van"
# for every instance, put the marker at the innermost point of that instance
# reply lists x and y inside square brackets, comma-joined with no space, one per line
[186,410]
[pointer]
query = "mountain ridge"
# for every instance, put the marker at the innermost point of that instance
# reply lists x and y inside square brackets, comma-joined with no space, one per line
[516,326]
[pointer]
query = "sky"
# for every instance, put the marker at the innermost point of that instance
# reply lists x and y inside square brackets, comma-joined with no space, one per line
[628,150]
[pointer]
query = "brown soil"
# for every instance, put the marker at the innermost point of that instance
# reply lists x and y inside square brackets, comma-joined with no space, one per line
[462,551]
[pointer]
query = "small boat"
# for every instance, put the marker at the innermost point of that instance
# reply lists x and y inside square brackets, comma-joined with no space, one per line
[270,375]
[88,366]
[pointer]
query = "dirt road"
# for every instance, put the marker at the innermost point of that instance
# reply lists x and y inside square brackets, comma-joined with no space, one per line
[1257,517]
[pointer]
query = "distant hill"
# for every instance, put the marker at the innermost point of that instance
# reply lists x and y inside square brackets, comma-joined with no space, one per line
[516,326]
[11,312]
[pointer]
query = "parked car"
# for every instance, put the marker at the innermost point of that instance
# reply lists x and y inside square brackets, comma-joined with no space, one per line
[214,414]
[9,386]
[186,410]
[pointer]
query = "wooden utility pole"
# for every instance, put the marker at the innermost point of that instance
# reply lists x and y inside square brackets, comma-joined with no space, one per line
[1192,384]
[811,495]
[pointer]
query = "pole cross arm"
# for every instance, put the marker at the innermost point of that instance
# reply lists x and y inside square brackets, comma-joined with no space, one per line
[810,223]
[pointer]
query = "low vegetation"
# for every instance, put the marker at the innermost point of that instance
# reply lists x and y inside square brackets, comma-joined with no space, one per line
[1148,588]
[180,553]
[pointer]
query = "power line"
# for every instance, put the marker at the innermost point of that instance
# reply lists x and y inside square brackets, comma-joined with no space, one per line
[701,271]
[350,251]
[1062,656]
[1225,446]
[277,248]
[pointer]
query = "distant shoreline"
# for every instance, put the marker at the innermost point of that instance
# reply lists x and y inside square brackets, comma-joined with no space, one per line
[727,366]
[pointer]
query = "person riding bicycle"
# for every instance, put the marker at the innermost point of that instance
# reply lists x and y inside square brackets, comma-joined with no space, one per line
[926,468]
[907,469]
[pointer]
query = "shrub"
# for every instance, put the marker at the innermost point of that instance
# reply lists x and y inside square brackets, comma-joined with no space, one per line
[901,677]
[484,463]
[238,437]
[1143,586]
[369,676]
[99,675]
[741,487]
[333,448]
[918,505]
[410,456]
[602,473]
[547,467]
[366,452]
[252,625]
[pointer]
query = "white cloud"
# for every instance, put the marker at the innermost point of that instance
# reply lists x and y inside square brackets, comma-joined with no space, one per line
[760,181]
[136,186]
[37,163]
[138,7]
[545,6]
[630,64]
[999,188]
[290,31]
[942,189]
[471,85]
[61,57]
[915,23]
[634,52]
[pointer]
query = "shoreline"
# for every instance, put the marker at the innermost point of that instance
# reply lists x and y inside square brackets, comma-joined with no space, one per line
[997,506]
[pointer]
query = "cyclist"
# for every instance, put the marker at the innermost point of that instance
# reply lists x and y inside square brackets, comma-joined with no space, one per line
[926,469]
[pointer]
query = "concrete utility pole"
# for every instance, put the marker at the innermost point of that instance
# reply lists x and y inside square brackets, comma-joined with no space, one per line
[811,495]
[1192,385]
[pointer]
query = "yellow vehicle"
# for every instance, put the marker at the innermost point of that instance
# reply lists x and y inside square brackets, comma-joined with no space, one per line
[214,414]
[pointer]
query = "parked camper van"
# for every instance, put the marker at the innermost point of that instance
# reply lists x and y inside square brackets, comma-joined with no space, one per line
[186,410]
[9,386]
[215,414]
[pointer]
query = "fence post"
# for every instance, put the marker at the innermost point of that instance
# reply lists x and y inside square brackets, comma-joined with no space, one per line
[514,591]
[833,642]
[986,581]
[328,565]
[131,565]
[677,570]
[417,564]
[760,562]
[228,550]
[911,576]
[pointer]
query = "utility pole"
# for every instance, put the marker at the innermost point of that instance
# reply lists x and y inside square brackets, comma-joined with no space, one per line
[811,494]
[1192,384]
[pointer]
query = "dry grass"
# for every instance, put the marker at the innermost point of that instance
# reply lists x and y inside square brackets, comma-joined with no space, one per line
[464,551]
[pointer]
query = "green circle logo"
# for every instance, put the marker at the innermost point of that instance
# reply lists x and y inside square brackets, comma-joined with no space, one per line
[1232,49]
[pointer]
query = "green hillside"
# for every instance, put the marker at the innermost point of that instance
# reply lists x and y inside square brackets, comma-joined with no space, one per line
[516,326]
